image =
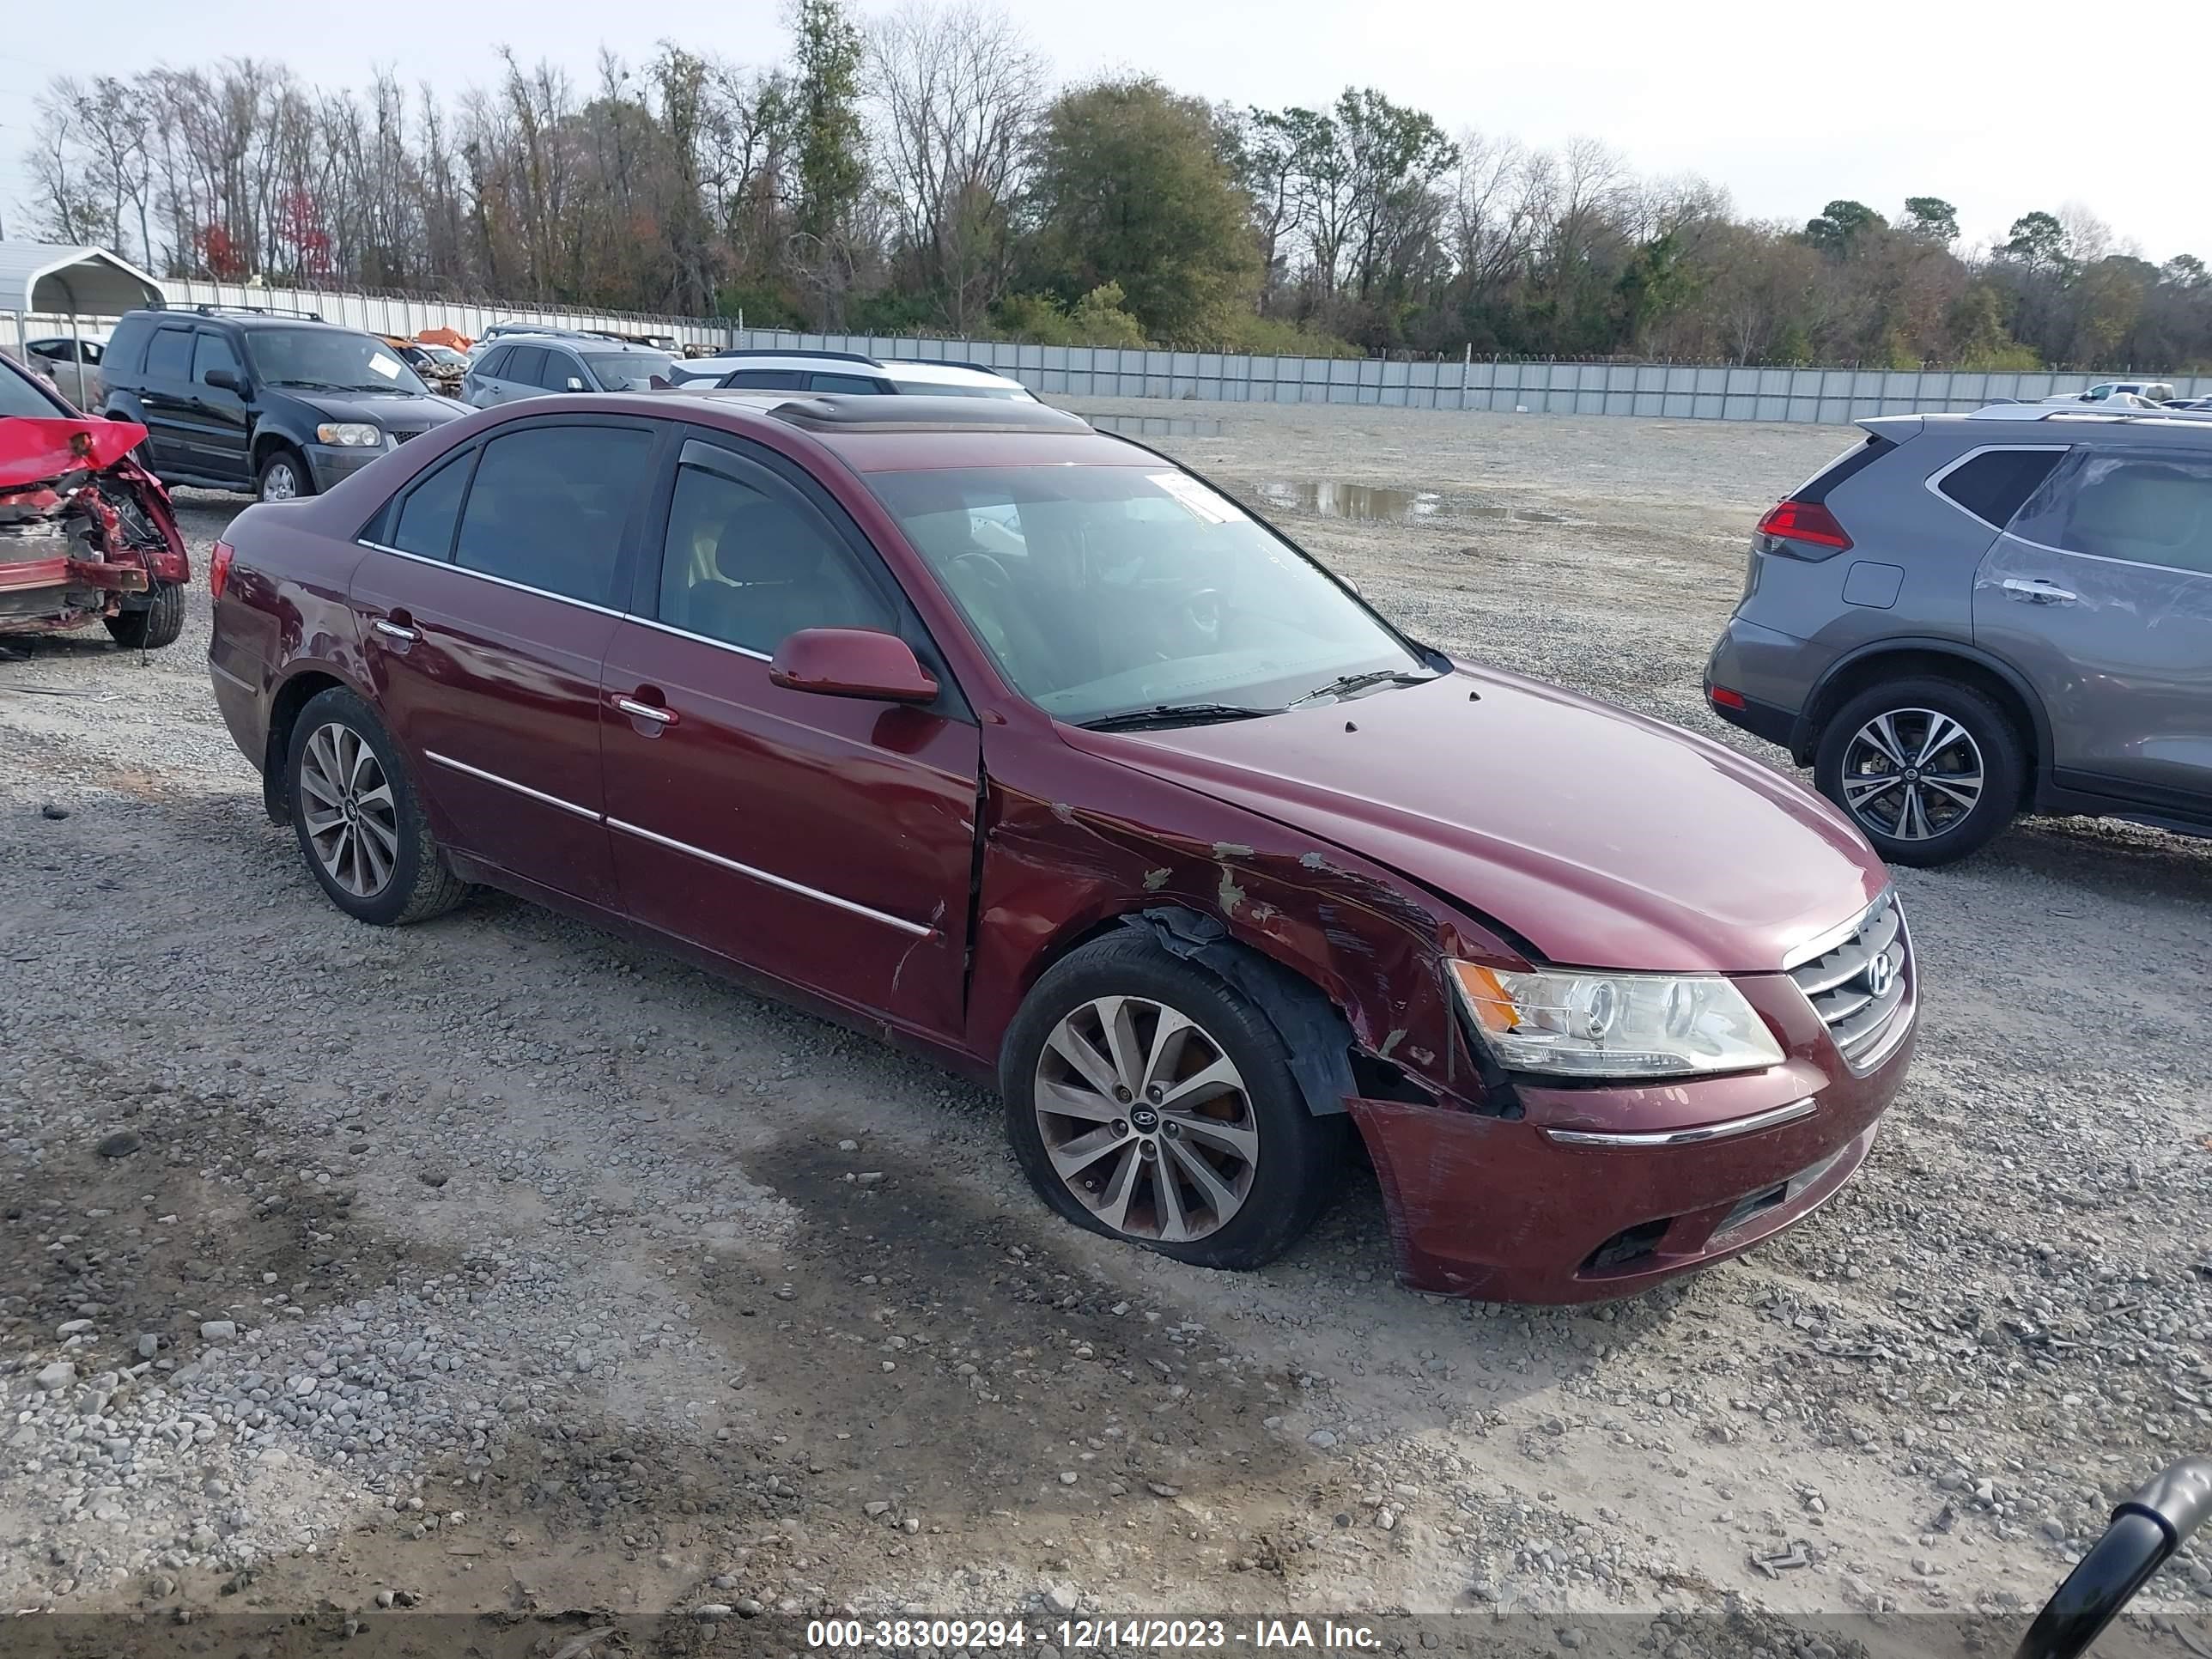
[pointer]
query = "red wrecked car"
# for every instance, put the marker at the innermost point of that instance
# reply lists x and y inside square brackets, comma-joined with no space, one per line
[86,533]
[1023,745]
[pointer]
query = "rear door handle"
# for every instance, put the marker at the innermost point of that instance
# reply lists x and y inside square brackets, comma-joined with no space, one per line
[2039,592]
[656,712]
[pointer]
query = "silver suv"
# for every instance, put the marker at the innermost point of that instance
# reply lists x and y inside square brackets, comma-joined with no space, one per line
[1971,616]
[522,365]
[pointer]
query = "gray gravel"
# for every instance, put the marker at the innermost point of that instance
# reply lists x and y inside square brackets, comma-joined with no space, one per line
[499,1249]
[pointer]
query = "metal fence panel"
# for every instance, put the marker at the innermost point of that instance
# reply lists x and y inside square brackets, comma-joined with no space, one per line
[1826,394]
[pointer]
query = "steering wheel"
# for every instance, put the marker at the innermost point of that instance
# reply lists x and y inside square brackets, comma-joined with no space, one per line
[994,574]
[1201,609]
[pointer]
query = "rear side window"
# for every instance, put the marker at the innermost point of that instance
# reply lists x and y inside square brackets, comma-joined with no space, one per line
[170,356]
[212,351]
[1996,483]
[523,364]
[2144,509]
[559,368]
[430,510]
[548,506]
[765,380]
[845,383]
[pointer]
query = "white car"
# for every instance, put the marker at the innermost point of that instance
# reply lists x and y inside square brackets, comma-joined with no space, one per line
[846,371]
[2151,391]
[71,362]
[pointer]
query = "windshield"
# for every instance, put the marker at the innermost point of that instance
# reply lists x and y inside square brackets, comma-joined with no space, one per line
[629,371]
[956,389]
[1107,590]
[329,360]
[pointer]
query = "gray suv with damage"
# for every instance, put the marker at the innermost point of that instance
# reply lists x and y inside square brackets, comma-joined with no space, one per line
[1968,617]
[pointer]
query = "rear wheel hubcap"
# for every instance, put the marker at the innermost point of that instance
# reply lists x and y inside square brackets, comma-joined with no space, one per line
[346,804]
[1911,775]
[1172,1168]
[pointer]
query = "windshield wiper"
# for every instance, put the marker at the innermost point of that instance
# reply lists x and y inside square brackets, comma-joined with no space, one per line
[311,386]
[1173,714]
[1344,684]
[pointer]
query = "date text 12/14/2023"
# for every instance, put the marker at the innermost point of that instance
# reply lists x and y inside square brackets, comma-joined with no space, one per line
[1082,1635]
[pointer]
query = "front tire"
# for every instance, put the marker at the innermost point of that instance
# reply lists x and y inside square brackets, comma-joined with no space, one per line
[155,626]
[284,476]
[1147,1101]
[359,824]
[1929,770]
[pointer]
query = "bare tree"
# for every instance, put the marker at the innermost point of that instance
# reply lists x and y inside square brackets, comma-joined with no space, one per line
[956,95]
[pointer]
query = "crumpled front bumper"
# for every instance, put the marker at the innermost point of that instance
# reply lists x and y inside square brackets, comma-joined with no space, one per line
[1505,1210]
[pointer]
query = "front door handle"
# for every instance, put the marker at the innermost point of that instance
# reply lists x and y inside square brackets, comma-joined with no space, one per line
[2038,592]
[396,631]
[657,713]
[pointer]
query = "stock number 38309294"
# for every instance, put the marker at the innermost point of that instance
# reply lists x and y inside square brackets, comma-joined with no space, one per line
[892,1635]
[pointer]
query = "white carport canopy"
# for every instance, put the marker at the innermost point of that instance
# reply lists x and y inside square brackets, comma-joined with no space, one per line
[46,279]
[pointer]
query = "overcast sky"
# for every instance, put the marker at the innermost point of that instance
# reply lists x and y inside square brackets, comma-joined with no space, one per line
[2000,109]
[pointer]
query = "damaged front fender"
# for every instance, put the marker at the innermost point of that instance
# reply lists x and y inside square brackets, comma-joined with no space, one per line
[1343,956]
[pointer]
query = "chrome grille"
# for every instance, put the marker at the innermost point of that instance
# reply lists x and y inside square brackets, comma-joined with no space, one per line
[1861,984]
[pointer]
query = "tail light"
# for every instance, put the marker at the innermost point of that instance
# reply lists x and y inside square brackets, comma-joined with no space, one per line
[1804,521]
[219,569]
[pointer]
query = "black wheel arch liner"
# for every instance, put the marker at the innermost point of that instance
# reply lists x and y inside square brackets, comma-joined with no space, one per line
[272,429]
[1317,1039]
[1806,738]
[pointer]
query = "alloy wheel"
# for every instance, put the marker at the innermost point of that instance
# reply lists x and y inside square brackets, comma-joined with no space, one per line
[1912,774]
[280,483]
[347,805]
[1146,1119]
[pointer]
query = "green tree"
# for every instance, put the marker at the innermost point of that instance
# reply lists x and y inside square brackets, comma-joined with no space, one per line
[1129,187]
[2038,241]
[1932,218]
[826,51]
[2184,271]
[1841,225]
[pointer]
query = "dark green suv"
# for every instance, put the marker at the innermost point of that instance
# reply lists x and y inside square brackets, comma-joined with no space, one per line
[279,403]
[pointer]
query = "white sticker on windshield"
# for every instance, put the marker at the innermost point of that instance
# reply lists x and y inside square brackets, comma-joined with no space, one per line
[387,367]
[1195,499]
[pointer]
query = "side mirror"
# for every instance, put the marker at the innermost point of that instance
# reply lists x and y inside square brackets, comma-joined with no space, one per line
[229,380]
[851,662]
[2146,1529]
[575,384]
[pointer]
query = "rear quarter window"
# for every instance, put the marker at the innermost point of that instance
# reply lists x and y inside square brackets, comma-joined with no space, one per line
[1855,460]
[1996,484]
[126,351]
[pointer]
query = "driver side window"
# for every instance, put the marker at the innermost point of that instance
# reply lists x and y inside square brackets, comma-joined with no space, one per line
[749,563]
[211,351]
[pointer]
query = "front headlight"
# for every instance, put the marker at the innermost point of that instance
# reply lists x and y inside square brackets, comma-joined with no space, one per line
[350,434]
[1614,1026]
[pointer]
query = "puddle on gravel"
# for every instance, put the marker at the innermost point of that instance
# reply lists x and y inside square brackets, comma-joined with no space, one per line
[1156,426]
[1385,504]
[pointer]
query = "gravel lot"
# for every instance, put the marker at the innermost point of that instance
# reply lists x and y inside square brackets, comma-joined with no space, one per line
[498,1264]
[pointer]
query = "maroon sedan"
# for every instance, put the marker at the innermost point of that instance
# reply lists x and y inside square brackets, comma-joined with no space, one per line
[1023,746]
